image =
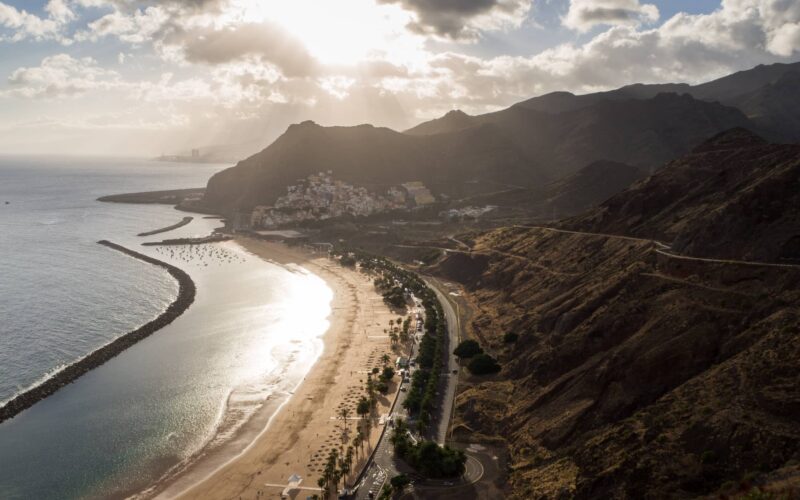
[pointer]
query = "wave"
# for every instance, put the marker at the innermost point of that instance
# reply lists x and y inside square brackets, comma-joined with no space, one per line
[42,379]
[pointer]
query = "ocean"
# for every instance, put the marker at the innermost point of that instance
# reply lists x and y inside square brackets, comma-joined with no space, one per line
[254,330]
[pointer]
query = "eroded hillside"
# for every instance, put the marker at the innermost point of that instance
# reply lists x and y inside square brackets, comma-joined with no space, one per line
[639,372]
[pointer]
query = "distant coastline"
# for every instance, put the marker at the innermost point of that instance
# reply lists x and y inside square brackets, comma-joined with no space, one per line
[168,197]
[185,298]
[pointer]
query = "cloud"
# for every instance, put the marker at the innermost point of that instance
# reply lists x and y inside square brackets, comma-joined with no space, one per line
[463,19]
[25,25]
[59,11]
[686,48]
[61,75]
[583,15]
[235,79]
[267,41]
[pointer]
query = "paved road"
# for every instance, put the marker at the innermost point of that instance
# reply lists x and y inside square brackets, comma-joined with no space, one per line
[450,379]
[663,249]
[612,236]
[728,261]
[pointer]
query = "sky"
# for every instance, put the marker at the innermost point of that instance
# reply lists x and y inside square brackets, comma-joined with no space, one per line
[126,77]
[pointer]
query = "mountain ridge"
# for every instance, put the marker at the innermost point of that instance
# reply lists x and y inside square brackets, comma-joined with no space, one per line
[637,372]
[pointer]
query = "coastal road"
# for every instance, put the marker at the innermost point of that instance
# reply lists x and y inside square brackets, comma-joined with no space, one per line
[383,465]
[450,377]
[665,249]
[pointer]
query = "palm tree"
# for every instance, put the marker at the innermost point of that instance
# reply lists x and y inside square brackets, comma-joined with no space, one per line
[344,412]
[322,482]
[385,358]
[347,463]
[330,473]
[357,441]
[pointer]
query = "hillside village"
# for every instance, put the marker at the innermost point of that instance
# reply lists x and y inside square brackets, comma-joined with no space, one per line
[320,196]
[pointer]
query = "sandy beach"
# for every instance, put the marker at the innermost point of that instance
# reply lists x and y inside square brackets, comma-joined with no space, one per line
[300,434]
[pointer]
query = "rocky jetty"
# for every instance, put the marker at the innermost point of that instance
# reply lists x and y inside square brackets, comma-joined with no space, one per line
[186,295]
[182,223]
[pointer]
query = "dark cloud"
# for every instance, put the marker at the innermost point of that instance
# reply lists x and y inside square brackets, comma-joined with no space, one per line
[584,14]
[451,18]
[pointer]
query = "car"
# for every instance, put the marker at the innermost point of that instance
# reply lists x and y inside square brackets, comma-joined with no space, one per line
[403,389]
[455,371]
[371,494]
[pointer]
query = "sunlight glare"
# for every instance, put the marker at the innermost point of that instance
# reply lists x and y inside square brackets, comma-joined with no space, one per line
[341,32]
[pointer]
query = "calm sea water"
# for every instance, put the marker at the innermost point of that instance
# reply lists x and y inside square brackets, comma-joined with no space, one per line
[118,428]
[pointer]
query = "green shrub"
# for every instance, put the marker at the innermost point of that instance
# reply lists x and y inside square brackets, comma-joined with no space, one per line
[510,338]
[483,364]
[399,482]
[708,457]
[467,349]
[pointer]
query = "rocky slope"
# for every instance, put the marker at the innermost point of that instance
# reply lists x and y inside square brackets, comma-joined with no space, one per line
[734,188]
[766,94]
[639,374]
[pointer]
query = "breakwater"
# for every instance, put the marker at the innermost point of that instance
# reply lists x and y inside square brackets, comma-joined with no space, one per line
[186,295]
[182,223]
[214,238]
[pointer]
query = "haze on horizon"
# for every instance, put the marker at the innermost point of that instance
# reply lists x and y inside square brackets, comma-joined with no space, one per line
[139,78]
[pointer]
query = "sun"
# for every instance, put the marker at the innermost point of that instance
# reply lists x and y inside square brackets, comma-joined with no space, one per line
[340,32]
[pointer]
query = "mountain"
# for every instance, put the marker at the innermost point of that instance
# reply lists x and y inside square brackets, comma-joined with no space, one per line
[454,164]
[765,94]
[639,132]
[517,147]
[453,121]
[590,186]
[586,188]
[640,372]
[730,88]
[775,107]
[735,187]
[528,145]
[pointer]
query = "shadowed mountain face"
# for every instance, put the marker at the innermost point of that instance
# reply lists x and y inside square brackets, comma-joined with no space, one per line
[590,186]
[513,148]
[735,187]
[455,164]
[638,373]
[528,145]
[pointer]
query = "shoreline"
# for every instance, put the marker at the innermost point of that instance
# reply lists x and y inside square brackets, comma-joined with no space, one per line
[70,373]
[292,428]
